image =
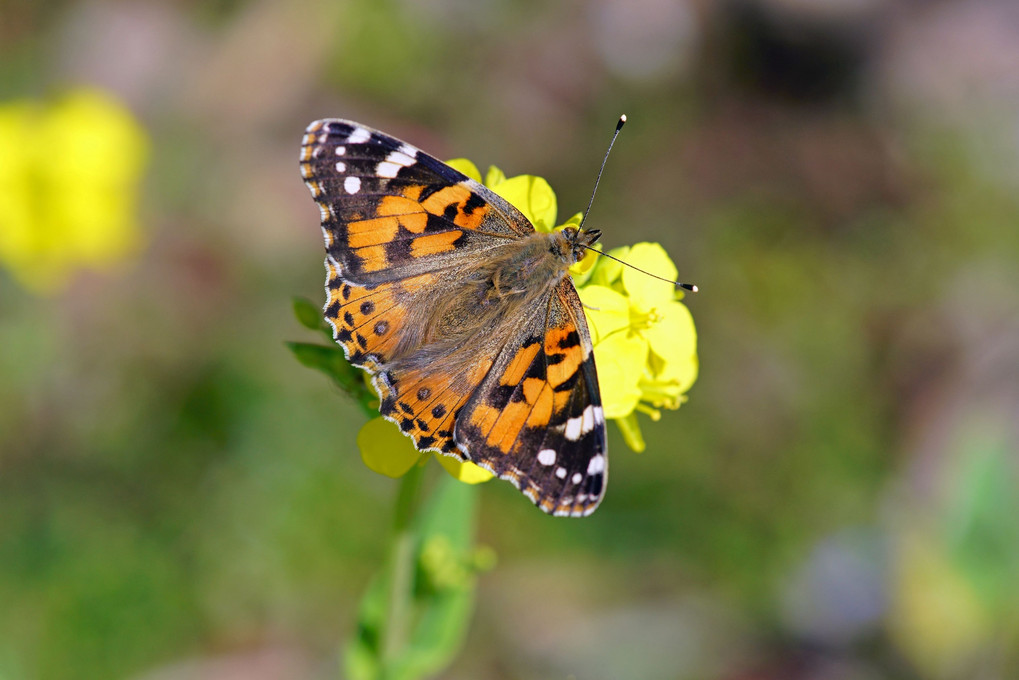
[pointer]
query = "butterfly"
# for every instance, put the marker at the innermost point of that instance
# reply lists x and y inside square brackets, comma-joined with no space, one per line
[464,315]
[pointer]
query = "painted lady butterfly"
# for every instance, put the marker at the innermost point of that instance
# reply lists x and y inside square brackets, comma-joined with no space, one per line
[465,316]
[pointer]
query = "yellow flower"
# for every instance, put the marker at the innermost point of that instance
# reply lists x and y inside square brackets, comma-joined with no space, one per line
[645,343]
[68,187]
[644,339]
[384,449]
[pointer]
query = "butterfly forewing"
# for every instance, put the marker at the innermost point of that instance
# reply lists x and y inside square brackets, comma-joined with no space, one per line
[389,209]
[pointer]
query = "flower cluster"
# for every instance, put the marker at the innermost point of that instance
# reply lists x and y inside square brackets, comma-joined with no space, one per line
[645,344]
[68,186]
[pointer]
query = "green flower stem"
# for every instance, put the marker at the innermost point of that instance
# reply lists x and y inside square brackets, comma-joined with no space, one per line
[402,564]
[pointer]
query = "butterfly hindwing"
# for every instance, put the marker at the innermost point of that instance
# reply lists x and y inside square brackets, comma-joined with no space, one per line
[537,419]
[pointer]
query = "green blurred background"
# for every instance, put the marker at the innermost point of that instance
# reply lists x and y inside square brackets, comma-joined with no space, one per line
[837,500]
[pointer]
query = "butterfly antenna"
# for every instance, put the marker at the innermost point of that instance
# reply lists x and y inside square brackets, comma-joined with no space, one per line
[685,286]
[619,126]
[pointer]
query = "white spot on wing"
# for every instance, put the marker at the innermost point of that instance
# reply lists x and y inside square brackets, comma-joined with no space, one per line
[400,158]
[582,424]
[572,431]
[341,150]
[560,473]
[576,478]
[341,167]
[359,136]
[408,150]
[596,465]
[387,169]
[546,457]
[352,184]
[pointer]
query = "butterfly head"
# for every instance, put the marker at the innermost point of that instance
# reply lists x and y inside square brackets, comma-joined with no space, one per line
[579,240]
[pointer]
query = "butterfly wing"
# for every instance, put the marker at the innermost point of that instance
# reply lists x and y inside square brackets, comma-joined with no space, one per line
[537,418]
[390,210]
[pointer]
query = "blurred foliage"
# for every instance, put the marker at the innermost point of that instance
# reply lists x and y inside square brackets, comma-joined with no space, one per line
[179,498]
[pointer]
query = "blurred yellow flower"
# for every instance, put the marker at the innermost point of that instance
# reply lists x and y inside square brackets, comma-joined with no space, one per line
[384,449]
[68,186]
[645,343]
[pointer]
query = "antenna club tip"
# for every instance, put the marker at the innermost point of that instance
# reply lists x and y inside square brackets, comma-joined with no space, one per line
[694,289]
[622,120]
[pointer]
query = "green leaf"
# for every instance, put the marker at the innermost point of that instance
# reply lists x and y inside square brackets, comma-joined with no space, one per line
[982,514]
[308,315]
[331,361]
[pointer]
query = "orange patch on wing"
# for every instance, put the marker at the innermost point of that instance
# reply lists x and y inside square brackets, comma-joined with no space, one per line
[534,411]
[438,202]
[556,340]
[433,244]
[372,232]
[519,414]
[410,213]
[413,192]
[565,369]
[484,417]
[373,258]
[399,205]
[471,220]
[516,369]
[414,223]
[456,195]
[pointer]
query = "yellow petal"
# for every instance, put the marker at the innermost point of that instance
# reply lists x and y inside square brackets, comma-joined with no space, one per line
[646,292]
[533,197]
[673,340]
[494,176]
[468,473]
[384,449]
[607,311]
[621,359]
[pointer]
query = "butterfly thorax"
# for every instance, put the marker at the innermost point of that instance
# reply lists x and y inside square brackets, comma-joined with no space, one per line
[512,283]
